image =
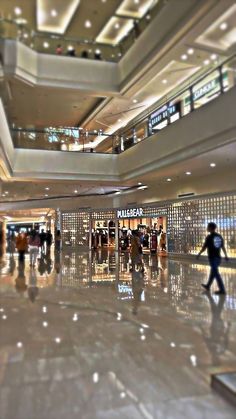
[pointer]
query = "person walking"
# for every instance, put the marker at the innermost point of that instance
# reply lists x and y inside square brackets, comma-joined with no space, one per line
[214,243]
[58,241]
[136,252]
[34,243]
[48,241]
[22,246]
[42,237]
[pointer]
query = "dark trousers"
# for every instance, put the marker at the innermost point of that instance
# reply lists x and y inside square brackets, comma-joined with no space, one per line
[21,255]
[215,274]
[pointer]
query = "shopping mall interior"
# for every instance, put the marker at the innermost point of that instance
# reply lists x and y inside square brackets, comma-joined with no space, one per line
[117,149]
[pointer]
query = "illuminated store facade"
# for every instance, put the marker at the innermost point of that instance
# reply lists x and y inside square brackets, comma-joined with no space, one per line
[185,222]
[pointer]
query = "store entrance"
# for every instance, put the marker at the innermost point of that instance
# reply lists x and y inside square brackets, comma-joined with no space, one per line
[103,234]
[152,233]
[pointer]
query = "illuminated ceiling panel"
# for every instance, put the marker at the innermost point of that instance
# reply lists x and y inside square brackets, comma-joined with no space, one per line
[115,30]
[55,16]
[222,33]
[135,8]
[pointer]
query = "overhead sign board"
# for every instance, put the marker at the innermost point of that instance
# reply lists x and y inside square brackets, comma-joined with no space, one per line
[163,113]
[130,213]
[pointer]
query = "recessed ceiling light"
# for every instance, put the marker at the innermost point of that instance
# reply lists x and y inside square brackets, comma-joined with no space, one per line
[188,173]
[184,57]
[17,11]
[213,56]
[213,165]
[206,62]
[47,188]
[75,191]
[168,179]
[223,26]
[164,81]
[88,24]
[139,183]
[98,51]
[135,100]
[136,1]
[53,13]
[190,51]
[45,44]
[46,195]
[6,192]
[26,35]
[119,120]
[117,26]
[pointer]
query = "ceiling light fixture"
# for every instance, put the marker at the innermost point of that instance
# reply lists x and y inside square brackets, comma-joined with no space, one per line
[206,62]
[223,26]
[75,191]
[188,173]
[135,100]
[190,51]
[169,179]
[213,57]
[53,13]
[17,11]
[47,188]
[117,26]
[88,24]
[139,183]
[46,195]
[213,165]
[184,57]
[164,81]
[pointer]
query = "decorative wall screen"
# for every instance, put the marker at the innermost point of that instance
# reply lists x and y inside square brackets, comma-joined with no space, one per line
[75,229]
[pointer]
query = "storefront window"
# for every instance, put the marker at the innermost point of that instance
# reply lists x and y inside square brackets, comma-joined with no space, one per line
[206,90]
[181,106]
[229,74]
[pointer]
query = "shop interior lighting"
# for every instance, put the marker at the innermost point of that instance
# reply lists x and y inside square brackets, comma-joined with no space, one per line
[45,44]
[212,165]
[188,173]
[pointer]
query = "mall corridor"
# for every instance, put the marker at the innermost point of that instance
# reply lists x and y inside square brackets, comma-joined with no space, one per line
[83,337]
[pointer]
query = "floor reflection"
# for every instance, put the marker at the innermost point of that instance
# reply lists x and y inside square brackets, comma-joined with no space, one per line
[82,318]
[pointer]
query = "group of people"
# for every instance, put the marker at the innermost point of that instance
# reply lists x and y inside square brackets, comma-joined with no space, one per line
[33,242]
[71,52]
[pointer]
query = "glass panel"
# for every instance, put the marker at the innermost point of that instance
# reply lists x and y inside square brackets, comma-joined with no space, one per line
[229,74]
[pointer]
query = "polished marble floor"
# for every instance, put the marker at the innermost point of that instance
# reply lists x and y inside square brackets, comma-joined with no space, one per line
[83,337]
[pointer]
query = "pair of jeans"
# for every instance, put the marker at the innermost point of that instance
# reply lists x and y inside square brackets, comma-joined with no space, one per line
[215,274]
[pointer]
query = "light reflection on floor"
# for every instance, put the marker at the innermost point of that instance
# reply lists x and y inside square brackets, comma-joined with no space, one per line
[82,336]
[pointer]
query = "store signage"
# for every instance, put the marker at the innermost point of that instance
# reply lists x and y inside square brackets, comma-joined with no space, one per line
[211,85]
[130,213]
[162,114]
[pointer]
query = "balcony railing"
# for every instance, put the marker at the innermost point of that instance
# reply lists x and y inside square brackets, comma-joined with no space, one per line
[77,47]
[202,91]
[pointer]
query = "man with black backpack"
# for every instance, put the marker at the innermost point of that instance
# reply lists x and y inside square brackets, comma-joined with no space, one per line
[214,242]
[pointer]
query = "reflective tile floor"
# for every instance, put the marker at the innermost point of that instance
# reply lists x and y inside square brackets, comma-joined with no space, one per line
[82,337]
